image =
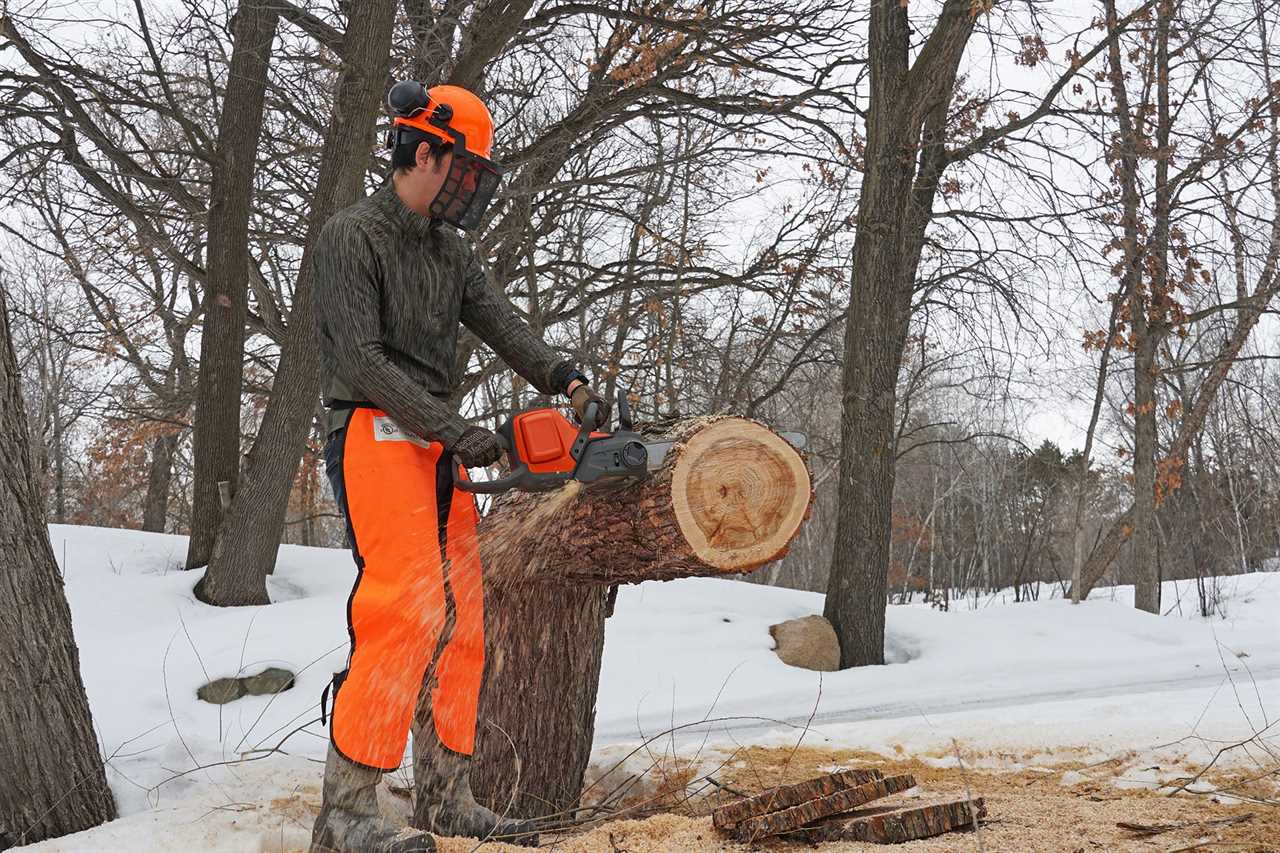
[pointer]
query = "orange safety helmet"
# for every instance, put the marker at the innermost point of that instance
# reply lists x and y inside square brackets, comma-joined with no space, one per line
[453,115]
[445,112]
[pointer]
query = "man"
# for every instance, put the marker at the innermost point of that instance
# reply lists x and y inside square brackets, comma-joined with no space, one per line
[393,281]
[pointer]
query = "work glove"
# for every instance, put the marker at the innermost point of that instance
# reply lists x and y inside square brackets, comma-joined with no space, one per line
[477,447]
[583,396]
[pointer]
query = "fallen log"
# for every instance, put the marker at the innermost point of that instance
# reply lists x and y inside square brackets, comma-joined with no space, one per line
[896,824]
[729,496]
[776,823]
[775,799]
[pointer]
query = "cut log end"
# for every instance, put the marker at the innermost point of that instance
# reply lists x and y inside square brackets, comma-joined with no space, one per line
[740,493]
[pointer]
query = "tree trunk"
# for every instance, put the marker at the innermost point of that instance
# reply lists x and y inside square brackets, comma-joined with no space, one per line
[1148,330]
[1106,551]
[1146,573]
[246,551]
[898,189]
[874,337]
[59,470]
[543,647]
[216,429]
[52,782]
[155,510]
[729,496]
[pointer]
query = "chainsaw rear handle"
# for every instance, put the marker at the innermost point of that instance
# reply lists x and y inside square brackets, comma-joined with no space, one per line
[492,487]
[520,477]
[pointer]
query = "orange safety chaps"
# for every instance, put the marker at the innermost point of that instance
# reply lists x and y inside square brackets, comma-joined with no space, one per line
[418,599]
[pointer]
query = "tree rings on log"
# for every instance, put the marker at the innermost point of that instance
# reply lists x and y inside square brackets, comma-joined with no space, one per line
[896,824]
[739,492]
[775,799]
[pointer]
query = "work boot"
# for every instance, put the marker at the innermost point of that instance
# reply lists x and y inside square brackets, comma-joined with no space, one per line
[349,820]
[445,804]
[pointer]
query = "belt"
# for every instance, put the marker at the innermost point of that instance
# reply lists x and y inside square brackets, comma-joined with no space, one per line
[344,405]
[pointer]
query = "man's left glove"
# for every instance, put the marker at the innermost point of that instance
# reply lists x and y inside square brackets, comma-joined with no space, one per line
[477,447]
[583,396]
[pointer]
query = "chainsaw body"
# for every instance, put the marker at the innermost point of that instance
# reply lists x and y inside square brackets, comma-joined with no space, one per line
[546,451]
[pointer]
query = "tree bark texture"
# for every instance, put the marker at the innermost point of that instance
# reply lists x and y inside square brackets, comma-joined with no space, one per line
[1146,570]
[905,158]
[754,829]
[543,644]
[216,429]
[726,817]
[246,550]
[52,780]
[899,824]
[729,496]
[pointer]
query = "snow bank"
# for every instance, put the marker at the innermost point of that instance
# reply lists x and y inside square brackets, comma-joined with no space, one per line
[681,651]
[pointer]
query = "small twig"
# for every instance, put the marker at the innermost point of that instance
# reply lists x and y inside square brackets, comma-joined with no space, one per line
[723,787]
[968,794]
[1160,828]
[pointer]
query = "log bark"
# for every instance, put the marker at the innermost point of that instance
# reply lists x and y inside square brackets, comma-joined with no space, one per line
[52,780]
[729,496]
[728,816]
[786,820]
[897,824]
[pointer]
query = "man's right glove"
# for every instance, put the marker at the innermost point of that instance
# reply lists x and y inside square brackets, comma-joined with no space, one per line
[584,395]
[477,447]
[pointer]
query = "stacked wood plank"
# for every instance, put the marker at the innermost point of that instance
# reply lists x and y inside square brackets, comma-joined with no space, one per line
[896,824]
[832,808]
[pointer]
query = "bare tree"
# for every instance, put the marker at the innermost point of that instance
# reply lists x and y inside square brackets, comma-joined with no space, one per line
[1222,179]
[216,427]
[54,782]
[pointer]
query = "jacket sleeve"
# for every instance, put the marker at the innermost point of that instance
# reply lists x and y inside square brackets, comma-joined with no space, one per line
[348,306]
[488,313]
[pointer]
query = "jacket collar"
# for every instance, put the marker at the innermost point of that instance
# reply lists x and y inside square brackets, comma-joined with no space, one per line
[389,202]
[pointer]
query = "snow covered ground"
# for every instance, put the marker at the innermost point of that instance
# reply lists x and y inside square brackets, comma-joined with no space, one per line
[1046,678]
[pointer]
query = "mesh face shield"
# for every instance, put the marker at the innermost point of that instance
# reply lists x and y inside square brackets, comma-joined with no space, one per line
[467,191]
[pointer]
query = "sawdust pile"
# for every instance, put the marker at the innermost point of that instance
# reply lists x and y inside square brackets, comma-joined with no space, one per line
[1066,808]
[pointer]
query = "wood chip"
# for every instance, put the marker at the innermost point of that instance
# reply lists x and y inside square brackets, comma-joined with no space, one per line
[776,823]
[786,796]
[896,824]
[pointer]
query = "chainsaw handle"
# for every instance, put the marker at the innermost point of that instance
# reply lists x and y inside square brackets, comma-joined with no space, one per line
[488,487]
[519,477]
[491,487]
[592,417]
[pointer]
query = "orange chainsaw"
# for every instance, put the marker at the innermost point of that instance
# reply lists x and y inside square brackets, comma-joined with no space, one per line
[546,451]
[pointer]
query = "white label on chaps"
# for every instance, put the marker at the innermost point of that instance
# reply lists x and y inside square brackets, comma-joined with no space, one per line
[385,429]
